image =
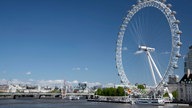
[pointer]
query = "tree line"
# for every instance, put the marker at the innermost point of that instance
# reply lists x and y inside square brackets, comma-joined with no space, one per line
[110,91]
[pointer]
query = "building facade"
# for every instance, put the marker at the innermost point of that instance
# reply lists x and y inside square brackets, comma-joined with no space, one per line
[4,88]
[185,84]
[188,62]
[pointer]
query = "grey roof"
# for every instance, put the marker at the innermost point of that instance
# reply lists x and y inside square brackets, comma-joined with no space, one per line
[186,79]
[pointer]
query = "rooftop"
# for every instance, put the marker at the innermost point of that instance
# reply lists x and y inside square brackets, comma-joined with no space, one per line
[186,78]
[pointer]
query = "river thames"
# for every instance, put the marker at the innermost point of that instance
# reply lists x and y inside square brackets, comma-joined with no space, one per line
[59,103]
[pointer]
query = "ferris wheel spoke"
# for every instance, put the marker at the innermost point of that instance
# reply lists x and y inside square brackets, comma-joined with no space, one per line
[154,64]
[151,68]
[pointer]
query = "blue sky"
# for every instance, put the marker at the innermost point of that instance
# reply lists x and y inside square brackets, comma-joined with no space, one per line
[70,39]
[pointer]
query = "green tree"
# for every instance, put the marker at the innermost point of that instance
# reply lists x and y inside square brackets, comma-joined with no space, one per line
[140,86]
[99,91]
[166,95]
[114,91]
[111,91]
[120,91]
[175,94]
[105,92]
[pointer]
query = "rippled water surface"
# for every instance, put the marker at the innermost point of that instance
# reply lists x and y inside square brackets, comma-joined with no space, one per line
[59,103]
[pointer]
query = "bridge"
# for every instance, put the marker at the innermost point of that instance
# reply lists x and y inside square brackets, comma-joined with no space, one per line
[35,95]
[40,95]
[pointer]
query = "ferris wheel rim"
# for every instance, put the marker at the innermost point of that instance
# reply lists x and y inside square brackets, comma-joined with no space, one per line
[175,35]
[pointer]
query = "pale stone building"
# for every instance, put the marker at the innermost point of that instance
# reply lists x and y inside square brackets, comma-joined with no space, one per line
[4,88]
[185,84]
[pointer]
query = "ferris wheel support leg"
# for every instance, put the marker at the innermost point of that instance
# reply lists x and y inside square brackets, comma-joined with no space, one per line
[157,70]
[170,94]
[151,68]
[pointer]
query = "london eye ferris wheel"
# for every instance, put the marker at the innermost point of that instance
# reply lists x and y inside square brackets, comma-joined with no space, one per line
[144,34]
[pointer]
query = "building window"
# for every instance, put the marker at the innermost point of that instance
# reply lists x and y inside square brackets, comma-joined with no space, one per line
[181,89]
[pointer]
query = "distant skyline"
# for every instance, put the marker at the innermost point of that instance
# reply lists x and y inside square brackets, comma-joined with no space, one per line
[51,40]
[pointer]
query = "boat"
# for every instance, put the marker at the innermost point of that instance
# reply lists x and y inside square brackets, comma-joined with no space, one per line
[74,97]
[150,101]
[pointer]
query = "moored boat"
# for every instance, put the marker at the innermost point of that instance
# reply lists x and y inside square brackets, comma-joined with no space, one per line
[74,97]
[150,101]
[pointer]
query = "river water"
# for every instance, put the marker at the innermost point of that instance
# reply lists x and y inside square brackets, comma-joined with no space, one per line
[59,103]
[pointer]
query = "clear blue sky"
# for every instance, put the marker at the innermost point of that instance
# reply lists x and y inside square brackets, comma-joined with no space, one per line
[69,39]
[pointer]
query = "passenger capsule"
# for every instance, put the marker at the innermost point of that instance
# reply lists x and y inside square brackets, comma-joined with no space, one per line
[130,12]
[121,81]
[169,5]
[133,6]
[179,32]
[178,55]
[122,29]
[173,12]
[119,74]
[125,18]
[176,21]
[123,25]
[179,43]
[175,66]
[125,21]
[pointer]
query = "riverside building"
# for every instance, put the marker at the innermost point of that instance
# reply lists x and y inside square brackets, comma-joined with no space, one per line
[185,84]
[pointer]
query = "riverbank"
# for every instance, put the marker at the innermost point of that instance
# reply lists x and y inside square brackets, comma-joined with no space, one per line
[111,99]
[108,101]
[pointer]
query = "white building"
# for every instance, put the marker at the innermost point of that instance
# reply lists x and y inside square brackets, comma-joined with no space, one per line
[26,88]
[173,83]
[185,84]
[4,88]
